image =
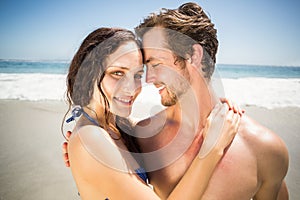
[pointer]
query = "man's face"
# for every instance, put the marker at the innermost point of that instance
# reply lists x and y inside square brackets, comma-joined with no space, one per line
[170,77]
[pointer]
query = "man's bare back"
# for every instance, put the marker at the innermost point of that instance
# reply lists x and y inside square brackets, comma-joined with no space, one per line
[253,167]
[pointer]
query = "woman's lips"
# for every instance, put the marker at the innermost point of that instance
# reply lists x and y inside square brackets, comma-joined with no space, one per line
[128,101]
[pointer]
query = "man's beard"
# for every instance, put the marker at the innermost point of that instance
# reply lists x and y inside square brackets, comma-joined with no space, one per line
[174,94]
[170,99]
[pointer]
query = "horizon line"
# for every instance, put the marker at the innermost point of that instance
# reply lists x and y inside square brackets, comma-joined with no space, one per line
[68,61]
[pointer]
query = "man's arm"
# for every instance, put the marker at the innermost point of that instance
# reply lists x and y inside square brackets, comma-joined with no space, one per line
[272,167]
[283,192]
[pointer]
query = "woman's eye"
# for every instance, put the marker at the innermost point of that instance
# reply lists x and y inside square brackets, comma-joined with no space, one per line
[138,76]
[118,73]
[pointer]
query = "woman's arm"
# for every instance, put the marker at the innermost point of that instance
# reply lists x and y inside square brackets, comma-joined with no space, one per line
[97,180]
[221,128]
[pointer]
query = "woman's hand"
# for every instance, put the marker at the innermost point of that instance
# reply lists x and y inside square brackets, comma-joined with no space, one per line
[232,106]
[220,129]
[65,149]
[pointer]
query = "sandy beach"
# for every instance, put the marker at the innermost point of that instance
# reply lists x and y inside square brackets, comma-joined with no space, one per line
[31,164]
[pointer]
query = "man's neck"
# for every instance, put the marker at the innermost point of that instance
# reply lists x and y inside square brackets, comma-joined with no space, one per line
[193,107]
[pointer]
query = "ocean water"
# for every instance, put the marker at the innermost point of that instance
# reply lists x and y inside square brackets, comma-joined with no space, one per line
[264,86]
[33,80]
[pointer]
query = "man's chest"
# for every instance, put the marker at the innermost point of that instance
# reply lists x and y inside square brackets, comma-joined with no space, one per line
[235,176]
[173,143]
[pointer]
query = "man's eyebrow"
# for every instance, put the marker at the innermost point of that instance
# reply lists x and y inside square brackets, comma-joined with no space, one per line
[149,60]
[153,58]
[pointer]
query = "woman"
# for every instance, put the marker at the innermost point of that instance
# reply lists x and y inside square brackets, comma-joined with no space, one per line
[104,79]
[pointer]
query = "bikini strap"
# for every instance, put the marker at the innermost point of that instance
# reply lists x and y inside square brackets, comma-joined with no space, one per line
[142,174]
[77,111]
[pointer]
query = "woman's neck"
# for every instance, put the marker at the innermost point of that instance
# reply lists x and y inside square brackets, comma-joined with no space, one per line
[105,121]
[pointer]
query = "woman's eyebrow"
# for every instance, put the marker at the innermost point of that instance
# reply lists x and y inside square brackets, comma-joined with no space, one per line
[122,67]
[127,68]
[141,71]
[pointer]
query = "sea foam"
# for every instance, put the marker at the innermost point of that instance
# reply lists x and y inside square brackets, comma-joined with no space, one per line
[33,86]
[263,92]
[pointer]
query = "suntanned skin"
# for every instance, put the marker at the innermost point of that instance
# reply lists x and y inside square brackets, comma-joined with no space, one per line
[255,164]
[100,162]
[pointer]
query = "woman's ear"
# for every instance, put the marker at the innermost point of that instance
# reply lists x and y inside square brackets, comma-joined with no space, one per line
[197,55]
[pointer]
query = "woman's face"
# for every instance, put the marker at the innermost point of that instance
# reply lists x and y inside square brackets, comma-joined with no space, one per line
[122,81]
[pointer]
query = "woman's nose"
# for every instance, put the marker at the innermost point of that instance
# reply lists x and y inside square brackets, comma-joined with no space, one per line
[129,85]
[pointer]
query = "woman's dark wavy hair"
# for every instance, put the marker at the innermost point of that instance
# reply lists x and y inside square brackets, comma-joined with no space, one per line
[184,27]
[88,67]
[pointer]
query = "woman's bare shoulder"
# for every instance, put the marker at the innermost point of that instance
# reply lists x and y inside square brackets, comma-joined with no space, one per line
[99,168]
[93,145]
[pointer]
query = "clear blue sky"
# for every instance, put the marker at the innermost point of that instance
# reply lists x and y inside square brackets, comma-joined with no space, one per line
[250,31]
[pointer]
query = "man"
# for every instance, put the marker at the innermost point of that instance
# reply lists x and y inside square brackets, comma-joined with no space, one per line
[256,162]
[180,48]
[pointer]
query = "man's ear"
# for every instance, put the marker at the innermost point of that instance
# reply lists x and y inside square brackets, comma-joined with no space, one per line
[197,55]
[194,65]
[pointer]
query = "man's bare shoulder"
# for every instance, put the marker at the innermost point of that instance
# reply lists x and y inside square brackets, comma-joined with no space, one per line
[151,126]
[259,136]
[270,150]
[146,121]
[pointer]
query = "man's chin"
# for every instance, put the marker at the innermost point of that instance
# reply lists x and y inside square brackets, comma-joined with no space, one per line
[168,103]
[168,98]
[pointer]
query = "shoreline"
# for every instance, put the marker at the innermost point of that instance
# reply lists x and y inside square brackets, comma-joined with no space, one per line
[31,157]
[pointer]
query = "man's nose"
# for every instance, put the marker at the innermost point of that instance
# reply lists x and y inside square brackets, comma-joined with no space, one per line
[150,75]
